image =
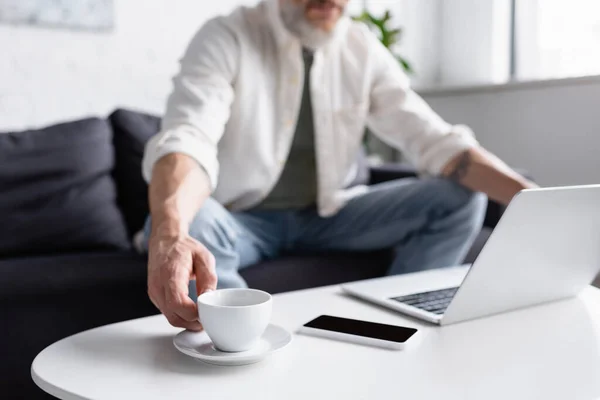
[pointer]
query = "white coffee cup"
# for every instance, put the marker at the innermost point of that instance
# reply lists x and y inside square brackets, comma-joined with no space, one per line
[235,319]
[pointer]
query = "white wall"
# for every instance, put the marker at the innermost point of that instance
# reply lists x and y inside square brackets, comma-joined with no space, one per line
[49,75]
[421,43]
[474,42]
[550,129]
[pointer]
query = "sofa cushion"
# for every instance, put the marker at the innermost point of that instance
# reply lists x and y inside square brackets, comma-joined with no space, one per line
[131,132]
[296,272]
[24,277]
[45,299]
[57,191]
[28,277]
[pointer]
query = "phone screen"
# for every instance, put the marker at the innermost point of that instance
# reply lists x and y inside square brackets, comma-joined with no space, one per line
[391,333]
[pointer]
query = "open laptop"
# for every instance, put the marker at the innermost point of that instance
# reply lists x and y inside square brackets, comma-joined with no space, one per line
[546,247]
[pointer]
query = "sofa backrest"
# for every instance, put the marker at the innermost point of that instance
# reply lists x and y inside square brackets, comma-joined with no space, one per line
[131,131]
[56,190]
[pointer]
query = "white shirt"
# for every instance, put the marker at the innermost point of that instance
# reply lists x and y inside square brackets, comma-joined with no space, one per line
[236,99]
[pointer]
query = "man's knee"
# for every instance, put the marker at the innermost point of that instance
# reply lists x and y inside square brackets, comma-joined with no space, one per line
[454,198]
[476,207]
[470,206]
[213,226]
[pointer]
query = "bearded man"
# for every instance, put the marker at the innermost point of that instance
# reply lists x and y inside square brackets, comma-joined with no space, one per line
[259,141]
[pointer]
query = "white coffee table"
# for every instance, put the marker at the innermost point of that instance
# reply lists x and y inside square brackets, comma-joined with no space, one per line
[546,352]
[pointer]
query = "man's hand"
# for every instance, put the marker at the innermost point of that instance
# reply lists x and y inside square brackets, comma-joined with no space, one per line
[481,171]
[177,190]
[173,262]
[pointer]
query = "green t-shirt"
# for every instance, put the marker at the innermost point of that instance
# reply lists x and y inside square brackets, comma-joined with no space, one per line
[297,185]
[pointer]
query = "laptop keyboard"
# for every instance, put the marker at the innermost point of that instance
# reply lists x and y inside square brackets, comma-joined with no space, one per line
[435,302]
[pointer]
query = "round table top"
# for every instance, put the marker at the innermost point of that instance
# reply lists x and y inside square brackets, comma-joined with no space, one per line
[545,352]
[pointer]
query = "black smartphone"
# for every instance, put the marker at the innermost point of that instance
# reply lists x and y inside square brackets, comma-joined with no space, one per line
[361,332]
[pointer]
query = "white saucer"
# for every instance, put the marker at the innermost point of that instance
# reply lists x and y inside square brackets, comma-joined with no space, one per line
[198,345]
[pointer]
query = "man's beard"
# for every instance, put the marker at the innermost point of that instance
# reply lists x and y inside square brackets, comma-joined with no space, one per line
[295,21]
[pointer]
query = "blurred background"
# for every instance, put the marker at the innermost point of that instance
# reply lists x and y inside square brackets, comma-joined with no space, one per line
[521,73]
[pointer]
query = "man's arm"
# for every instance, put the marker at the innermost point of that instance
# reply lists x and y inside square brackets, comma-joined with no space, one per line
[181,165]
[177,190]
[402,118]
[481,171]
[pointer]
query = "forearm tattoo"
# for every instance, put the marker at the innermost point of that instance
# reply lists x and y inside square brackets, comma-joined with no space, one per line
[462,167]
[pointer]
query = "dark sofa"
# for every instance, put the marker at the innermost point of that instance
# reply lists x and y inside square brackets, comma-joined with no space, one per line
[71,198]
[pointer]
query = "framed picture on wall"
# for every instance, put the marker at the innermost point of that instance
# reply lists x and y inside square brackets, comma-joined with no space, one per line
[94,15]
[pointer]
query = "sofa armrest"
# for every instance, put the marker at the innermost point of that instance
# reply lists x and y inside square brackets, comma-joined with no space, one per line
[392,171]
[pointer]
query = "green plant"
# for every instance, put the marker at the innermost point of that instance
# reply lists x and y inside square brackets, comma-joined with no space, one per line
[388,36]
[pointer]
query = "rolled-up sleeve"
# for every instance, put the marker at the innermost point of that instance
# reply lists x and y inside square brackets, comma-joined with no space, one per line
[199,106]
[401,118]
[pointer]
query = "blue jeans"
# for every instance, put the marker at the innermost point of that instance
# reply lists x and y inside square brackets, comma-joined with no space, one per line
[430,222]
